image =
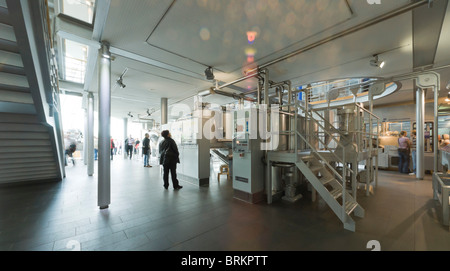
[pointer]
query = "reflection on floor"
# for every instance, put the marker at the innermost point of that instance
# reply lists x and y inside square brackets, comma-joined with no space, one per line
[401,215]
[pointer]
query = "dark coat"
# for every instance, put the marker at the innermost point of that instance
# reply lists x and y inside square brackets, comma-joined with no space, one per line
[168,152]
[146,146]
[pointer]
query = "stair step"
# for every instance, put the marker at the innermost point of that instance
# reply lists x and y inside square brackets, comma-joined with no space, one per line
[23,136]
[336,193]
[307,158]
[19,127]
[9,46]
[20,166]
[36,155]
[24,160]
[10,58]
[14,88]
[7,32]
[15,142]
[10,79]
[31,177]
[4,16]
[350,206]
[326,179]
[18,119]
[16,97]
[36,171]
[315,168]
[11,69]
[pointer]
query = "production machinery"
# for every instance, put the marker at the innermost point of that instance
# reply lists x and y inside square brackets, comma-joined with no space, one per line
[248,178]
[358,145]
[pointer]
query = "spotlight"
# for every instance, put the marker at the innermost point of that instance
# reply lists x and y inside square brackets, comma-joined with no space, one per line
[209,74]
[130,115]
[120,83]
[119,80]
[376,63]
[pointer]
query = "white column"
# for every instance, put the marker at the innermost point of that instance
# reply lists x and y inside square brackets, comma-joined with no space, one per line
[90,135]
[164,111]
[125,136]
[420,136]
[104,134]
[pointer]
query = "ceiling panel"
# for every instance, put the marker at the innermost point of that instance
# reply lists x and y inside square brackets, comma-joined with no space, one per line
[215,33]
[350,55]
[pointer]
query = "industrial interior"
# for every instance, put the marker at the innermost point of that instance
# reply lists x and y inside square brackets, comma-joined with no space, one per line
[286,114]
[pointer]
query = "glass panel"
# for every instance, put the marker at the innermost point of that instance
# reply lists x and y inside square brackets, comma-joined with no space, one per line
[75,60]
[80,9]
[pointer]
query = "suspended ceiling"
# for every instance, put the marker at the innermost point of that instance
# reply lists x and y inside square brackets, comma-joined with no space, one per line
[166,45]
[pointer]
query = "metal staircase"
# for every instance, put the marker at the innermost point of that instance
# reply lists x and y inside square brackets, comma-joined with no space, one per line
[330,189]
[31,146]
[317,168]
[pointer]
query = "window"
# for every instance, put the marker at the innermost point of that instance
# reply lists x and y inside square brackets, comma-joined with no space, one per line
[80,9]
[75,60]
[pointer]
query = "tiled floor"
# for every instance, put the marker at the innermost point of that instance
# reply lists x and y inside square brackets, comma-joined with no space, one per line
[401,215]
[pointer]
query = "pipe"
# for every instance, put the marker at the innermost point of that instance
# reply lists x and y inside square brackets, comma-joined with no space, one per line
[266,87]
[232,95]
[289,86]
[237,81]
[280,95]
[258,95]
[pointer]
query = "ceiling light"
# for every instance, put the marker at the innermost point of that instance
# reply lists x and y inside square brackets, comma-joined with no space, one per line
[120,83]
[130,115]
[376,63]
[209,74]
[119,80]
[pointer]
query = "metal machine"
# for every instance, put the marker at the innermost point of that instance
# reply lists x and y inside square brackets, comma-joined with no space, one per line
[248,178]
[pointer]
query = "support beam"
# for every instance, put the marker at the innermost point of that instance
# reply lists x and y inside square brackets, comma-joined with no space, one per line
[164,111]
[104,135]
[90,134]
[125,136]
[420,136]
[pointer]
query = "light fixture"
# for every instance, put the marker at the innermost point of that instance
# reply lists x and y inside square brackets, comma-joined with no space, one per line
[209,74]
[376,63]
[119,80]
[130,115]
[150,112]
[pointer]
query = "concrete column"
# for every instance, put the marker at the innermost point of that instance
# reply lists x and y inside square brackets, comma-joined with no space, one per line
[125,136]
[420,136]
[85,138]
[104,134]
[85,127]
[436,90]
[90,135]
[164,111]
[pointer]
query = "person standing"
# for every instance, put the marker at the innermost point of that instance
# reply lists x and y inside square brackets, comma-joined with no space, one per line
[112,146]
[169,158]
[95,148]
[404,146]
[130,143]
[146,150]
[413,152]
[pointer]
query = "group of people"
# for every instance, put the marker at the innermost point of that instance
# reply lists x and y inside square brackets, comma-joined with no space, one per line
[168,156]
